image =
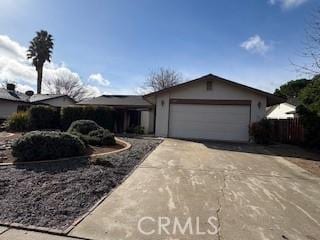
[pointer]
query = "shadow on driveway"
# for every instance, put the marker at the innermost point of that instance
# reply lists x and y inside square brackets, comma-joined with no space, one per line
[283,150]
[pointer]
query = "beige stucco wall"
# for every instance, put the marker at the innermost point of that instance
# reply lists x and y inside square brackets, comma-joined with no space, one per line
[7,108]
[59,102]
[162,114]
[197,90]
[147,121]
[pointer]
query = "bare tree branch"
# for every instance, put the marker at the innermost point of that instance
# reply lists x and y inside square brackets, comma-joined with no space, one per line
[162,78]
[311,46]
[68,85]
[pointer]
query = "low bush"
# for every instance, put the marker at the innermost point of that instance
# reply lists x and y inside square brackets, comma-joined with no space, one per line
[136,130]
[23,108]
[83,126]
[46,145]
[19,122]
[261,131]
[103,116]
[101,137]
[44,117]
[91,133]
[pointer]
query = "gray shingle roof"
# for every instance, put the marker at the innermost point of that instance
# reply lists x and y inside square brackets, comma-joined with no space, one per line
[42,97]
[117,100]
[13,95]
[21,97]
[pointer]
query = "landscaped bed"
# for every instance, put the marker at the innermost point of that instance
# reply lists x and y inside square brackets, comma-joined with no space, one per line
[6,141]
[54,195]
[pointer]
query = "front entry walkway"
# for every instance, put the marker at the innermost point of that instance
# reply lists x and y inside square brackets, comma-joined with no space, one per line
[186,190]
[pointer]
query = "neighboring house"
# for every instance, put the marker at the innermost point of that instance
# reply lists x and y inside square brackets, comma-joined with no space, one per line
[132,110]
[209,107]
[10,99]
[56,100]
[281,111]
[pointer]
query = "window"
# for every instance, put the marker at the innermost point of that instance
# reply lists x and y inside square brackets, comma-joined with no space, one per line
[209,85]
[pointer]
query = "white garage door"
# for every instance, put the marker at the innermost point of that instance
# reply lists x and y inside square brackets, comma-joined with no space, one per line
[215,122]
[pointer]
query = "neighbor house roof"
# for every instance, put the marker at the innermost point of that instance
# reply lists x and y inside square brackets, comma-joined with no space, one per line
[22,97]
[43,97]
[271,98]
[13,95]
[272,108]
[117,101]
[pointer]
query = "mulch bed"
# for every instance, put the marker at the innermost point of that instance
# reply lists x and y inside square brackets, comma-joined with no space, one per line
[53,195]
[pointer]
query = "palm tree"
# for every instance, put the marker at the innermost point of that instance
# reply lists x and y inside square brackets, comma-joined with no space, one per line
[40,50]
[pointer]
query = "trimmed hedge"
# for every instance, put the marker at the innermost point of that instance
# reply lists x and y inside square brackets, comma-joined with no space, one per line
[47,145]
[83,126]
[19,122]
[103,116]
[101,137]
[47,117]
[91,133]
[44,117]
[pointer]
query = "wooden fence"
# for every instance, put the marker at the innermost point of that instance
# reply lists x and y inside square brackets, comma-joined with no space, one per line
[287,131]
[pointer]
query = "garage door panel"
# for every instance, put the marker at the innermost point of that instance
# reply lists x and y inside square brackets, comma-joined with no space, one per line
[206,118]
[209,122]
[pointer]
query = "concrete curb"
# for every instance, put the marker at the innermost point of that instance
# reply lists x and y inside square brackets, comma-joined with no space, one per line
[125,145]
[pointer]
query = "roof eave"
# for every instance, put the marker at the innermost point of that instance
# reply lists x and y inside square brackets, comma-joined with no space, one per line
[271,98]
[11,100]
[274,100]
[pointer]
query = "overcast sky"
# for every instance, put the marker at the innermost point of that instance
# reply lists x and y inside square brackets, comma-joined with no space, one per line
[111,45]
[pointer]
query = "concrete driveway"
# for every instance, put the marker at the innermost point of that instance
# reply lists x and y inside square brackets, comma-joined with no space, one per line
[204,187]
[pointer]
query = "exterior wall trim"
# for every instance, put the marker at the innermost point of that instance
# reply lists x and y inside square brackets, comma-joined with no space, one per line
[209,102]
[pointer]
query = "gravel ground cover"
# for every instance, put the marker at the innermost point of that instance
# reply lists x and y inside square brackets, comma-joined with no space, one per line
[6,141]
[53,195]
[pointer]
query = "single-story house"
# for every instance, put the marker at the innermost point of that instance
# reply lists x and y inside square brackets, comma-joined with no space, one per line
[209,107]
[281,111]
[132,111]
[10,99]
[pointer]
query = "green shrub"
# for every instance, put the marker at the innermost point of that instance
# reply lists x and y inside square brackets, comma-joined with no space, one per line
[83,126]
[44,117]
[101,137]
[104,116]
[91,133]
[261,131]
[23,108]
[311,124]
[46,145]
[69,115]
[136,130]
[19,122]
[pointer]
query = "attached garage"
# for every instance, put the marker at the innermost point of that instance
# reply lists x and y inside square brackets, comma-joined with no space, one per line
[209,121]
[209,108]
